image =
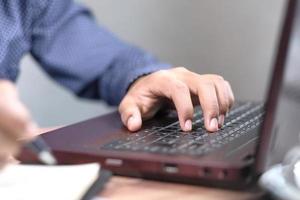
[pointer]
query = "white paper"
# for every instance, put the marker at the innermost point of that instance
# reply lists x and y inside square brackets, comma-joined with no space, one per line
[297,174]
[31,182]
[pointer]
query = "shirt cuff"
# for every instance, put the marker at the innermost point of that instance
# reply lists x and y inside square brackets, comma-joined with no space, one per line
[128,65]
[133,76]
[139,72]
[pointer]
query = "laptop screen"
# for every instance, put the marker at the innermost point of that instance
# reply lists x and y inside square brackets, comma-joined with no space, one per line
[280,131]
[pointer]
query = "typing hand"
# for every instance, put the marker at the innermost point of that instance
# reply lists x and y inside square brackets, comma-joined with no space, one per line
[184,89]
[15,122]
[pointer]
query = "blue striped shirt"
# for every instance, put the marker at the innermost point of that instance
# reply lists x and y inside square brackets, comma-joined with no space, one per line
[71,47]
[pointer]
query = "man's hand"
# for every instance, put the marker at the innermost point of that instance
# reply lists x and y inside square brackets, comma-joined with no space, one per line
[182,87]
[15,122]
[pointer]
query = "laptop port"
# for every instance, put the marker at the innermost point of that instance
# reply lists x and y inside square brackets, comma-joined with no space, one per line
[114,162]
[222,174]
[170,168]
[248,158]
[225,173]
[207,172]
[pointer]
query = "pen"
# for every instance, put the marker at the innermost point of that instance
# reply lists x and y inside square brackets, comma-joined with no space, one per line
[42,150]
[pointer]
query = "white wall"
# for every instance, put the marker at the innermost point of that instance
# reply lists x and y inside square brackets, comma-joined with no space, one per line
[233,38]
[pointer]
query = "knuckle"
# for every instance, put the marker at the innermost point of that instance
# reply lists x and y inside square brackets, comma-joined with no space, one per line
[206,78]
[163,74]
[180,69]
[166,77]
[180,86]
[227,84]
[218,77]
[207,84]
[213,77]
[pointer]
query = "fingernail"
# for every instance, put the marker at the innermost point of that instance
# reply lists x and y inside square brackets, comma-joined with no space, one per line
[221,120]
[130,121]
[133,123]
[188,125]
[214,124]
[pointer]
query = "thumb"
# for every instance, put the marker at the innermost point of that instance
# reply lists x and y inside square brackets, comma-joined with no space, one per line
[130,114]
[7,90]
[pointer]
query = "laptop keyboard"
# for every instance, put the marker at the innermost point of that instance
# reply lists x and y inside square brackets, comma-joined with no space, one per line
[170,139]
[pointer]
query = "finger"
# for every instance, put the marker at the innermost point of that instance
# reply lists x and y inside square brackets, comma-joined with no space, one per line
[15,119]
[230,94]
[8,145]
[223,100]
[7,89]
[181,97]
[209,104]
[179,93]
[130,113]
[3,160]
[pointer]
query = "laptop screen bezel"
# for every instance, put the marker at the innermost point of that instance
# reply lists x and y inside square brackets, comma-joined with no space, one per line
[276,81]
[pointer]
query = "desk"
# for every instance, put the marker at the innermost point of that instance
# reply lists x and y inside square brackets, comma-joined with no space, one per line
[125,188]
[137,189]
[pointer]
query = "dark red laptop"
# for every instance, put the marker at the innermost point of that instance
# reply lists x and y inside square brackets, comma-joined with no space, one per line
[234,156]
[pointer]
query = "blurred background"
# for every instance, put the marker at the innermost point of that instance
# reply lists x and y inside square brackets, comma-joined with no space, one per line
[233,38]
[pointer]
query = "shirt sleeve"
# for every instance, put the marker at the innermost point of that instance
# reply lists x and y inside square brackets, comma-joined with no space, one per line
[83,56]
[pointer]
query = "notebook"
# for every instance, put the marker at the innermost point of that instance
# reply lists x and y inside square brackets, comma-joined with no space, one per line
[34,182]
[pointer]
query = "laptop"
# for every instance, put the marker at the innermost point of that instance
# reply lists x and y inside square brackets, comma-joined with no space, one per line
[233,156]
